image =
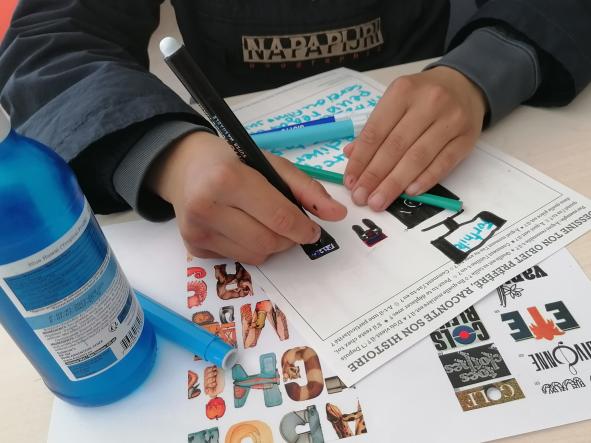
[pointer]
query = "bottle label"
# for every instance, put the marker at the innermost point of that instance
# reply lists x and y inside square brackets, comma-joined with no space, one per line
[76,299]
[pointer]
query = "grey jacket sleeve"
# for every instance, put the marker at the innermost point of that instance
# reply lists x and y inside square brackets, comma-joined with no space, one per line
[532,51]
[557,30]
[74,76]
[506,69]
[130,174]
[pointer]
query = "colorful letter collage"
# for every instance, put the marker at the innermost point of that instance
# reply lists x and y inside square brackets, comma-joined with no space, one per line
[281,390]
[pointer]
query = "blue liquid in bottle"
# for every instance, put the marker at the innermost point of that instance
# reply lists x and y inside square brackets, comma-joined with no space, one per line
[63,297]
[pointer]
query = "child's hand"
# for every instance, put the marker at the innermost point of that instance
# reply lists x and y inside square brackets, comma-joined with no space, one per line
[423,126]
[225,208]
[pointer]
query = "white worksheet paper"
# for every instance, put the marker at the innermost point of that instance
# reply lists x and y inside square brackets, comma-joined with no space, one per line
[518,361]
[367,301]
[484,376]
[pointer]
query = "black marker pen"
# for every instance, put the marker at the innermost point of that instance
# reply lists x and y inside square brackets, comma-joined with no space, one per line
[221,116]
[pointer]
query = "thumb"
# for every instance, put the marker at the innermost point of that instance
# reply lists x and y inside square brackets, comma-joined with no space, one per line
[310,193]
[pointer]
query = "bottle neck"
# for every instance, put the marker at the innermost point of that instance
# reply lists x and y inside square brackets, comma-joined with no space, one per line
[39,197]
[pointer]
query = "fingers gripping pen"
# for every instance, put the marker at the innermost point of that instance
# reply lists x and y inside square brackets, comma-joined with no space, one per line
[221,116]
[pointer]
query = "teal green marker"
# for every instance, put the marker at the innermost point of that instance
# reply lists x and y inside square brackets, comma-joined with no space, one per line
[435,200]
[428,199]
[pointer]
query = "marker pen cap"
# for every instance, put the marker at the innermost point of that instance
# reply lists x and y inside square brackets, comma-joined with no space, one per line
[221,354]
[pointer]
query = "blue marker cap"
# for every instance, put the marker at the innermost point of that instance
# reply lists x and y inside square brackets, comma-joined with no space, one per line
[187,334]
[308,133]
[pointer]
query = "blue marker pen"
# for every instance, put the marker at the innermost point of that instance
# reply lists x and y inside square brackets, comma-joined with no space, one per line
[315,131]
[319,121]
[187,334]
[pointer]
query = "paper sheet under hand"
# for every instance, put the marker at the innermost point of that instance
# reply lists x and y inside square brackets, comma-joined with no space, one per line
[399,273]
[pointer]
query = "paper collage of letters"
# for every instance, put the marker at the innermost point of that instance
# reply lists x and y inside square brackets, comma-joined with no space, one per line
[276,369]
[308,332]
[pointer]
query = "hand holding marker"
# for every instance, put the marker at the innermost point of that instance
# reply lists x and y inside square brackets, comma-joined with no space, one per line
[166,322]
[229,127]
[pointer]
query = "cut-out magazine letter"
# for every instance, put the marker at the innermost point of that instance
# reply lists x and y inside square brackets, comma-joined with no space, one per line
[400,273]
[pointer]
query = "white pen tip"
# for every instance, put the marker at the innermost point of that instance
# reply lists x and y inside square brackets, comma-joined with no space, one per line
[168,46]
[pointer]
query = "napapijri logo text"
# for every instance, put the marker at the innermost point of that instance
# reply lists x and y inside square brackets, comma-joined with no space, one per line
[301,47]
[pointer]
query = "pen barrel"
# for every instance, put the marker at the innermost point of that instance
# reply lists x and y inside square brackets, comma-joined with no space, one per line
[224,120]
[307,135]
[186,69]
[184,332]
[319,121]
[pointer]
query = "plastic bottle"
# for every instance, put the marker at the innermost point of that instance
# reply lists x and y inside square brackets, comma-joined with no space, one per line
[63,298]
